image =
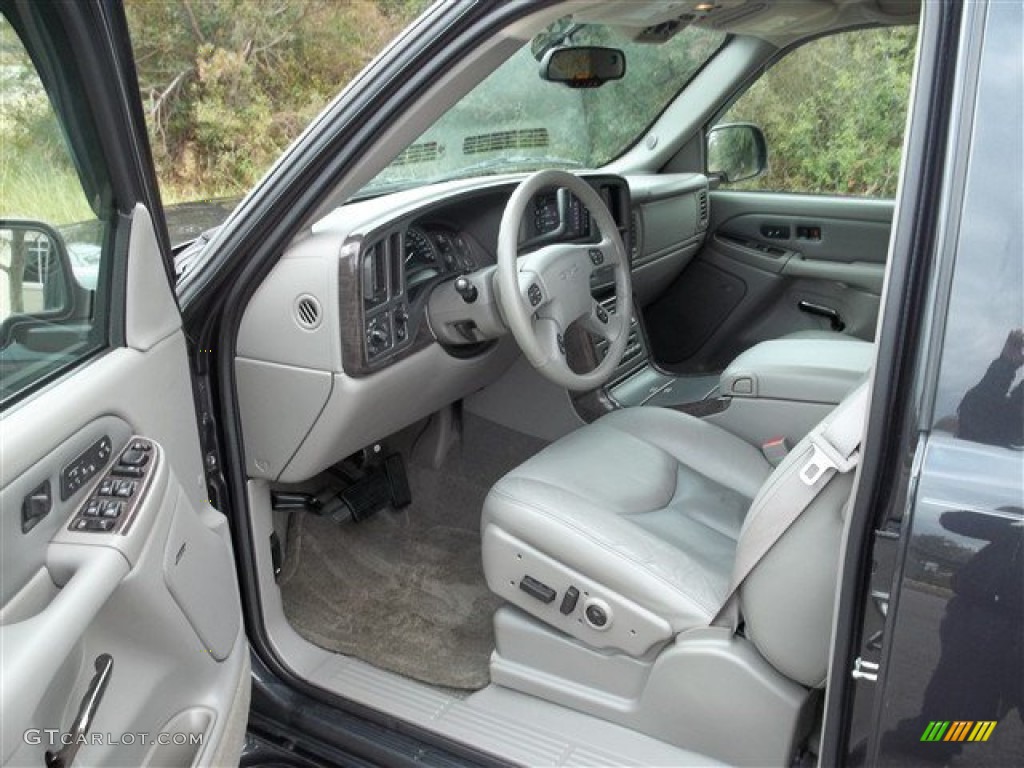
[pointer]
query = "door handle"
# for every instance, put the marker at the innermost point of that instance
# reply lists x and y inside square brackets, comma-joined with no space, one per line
[36,506]
[820,310]
[63,757]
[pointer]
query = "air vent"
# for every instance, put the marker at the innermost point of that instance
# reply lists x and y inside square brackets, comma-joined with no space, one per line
[423,152]
[530,138]
[307,312]
[720,18]
[635,233]
[702,209]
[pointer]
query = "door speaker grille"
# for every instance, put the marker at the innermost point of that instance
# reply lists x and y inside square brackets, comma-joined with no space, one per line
[308,313]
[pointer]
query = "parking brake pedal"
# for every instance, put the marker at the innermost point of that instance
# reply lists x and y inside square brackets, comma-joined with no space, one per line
[383,485]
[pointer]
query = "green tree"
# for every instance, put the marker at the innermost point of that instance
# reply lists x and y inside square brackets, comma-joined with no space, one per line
[833,113]
[228,84]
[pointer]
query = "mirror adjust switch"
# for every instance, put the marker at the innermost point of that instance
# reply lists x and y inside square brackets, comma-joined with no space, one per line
[133,458]
[537,589]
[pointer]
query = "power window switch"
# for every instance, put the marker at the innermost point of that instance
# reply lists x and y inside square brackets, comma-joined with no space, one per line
[92,508]
[124,488]
[127,471]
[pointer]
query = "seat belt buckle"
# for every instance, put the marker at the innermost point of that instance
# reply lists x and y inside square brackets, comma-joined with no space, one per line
[823,458]
[775,450]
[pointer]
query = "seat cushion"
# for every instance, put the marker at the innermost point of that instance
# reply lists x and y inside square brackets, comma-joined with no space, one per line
[816,334]
[646,502]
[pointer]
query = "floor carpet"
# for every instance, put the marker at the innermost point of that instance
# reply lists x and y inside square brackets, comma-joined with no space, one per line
[404,590]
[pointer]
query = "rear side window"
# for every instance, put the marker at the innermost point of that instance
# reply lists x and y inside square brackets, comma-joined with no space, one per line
[53,241]
[833,112]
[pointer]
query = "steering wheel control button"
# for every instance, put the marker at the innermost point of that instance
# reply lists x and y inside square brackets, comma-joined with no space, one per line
[602,314]
[561,344]
[596,257]
[597,614]
[535,295]
[537,589]
[569,600]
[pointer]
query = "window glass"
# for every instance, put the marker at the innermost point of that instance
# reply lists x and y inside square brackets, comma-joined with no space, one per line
[227,85]
[516,121]
[51,241]
[833,112]
[980,395]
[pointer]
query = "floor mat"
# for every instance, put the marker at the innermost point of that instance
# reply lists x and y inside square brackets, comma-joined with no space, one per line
[404,590]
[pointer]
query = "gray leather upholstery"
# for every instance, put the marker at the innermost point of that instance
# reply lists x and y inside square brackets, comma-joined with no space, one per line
[649,503]
[820,335]
[799,369]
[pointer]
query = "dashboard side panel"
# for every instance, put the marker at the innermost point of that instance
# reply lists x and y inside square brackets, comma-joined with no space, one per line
[361,410]
[279,405]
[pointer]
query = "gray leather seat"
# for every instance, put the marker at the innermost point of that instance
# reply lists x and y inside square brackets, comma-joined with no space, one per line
[820,335]
[641,512]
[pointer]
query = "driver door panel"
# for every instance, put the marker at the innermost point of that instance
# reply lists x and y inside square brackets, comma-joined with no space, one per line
[161,599]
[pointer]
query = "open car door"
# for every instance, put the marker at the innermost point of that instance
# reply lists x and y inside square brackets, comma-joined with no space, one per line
[121,633]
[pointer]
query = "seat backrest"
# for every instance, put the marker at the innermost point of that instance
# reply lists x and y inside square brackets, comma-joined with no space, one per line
[787,599]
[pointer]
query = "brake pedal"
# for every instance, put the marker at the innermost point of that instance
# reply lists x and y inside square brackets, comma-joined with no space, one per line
[383,486]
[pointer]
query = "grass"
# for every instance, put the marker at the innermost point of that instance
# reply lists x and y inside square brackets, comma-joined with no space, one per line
[32,188]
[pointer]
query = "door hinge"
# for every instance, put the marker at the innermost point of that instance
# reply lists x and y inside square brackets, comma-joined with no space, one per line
[864,670]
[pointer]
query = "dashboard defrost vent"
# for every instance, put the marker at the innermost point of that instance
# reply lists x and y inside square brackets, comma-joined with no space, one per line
[529,138]
[423,152]
[702,209]
[723,17]
[308,313]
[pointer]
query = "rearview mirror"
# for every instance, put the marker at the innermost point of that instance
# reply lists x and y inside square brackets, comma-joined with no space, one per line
[36,279]
[736,152]
[583,66]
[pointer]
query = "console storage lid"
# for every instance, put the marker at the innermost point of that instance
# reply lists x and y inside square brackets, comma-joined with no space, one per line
[805,370]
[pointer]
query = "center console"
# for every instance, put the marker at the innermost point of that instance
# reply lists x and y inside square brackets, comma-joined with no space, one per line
[778,388]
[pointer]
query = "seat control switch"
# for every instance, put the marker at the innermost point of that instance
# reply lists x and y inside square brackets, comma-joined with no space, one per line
[537,589]
[569,600]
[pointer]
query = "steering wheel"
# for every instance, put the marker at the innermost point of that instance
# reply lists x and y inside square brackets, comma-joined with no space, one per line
[543,292]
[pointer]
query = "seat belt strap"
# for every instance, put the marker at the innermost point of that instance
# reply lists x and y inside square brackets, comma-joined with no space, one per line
[833,447]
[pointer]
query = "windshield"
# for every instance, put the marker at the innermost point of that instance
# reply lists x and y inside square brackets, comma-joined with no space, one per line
[515,121]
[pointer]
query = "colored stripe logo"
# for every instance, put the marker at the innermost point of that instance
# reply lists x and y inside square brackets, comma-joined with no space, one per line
[958,730]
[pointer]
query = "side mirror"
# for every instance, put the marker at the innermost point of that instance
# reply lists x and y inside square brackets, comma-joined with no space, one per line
[36,278]
[736,152]
[583,66]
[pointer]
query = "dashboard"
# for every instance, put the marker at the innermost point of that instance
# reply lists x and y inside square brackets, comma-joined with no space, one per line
[336,348]
[401,262]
